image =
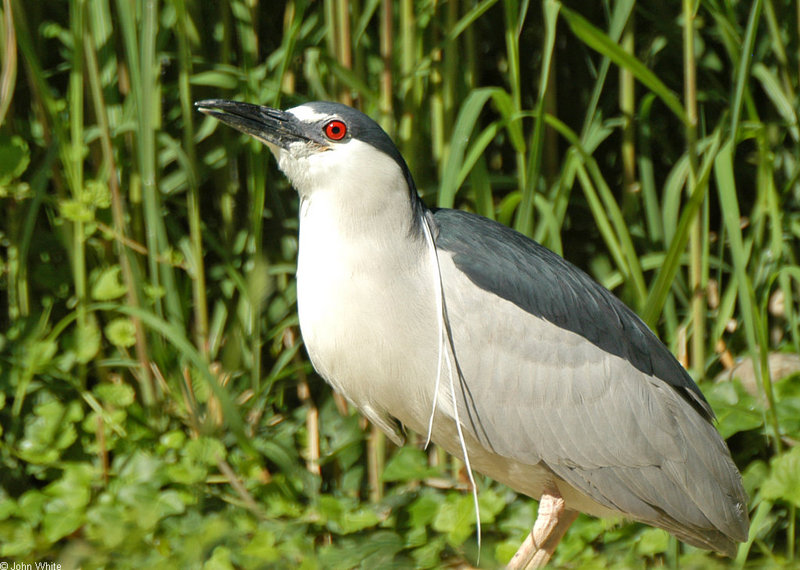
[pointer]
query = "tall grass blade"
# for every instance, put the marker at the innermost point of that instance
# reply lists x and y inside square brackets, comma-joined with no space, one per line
[465,124]
[606,212]
[199,300]
[128,266]
[754,327]
[660,288]
[601,43]
[742,72]
[8,75]
[470,18]
[524,222]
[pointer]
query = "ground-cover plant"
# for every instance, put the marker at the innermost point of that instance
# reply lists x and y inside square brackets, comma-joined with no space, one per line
[156,405]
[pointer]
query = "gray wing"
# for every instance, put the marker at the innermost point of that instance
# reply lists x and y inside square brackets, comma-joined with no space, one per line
[560,372]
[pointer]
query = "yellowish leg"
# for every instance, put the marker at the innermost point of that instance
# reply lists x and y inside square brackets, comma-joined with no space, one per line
[552,522]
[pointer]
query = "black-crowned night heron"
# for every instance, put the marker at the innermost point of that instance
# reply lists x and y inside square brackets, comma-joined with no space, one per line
[506,355]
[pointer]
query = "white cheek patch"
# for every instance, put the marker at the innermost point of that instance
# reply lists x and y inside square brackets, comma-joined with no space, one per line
[306,114]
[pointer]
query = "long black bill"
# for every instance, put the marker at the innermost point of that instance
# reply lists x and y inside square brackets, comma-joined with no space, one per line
[269,125]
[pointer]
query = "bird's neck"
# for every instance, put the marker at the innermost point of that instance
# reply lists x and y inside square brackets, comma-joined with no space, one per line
[359,215]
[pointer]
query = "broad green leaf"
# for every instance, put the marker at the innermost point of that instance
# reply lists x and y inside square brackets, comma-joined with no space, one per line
[408,463]
[19,539]
[50,431]
[117,395]
[108,286]
[652,541]
[31,506]
[14,158]
[377,552]
[186,472]
[40,354]
[424,508]
[60,520]
[76,210]
[121,332]
[430,554]
[262,546]
[171,503]
[8,506]
[173,440]
[456,517]
[736,410]
[107,524]
[783,482]
[87,341]
[205,450]
[96,194]
[221,559]
[65,511]
[491,504]
[359,519]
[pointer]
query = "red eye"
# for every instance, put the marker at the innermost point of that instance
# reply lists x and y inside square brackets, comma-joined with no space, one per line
[335,130]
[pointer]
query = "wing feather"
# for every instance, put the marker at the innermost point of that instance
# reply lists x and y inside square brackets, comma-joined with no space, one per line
[557,371]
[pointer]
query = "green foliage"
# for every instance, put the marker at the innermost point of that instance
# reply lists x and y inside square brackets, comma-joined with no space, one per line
[14,159]
[156,406]
[783,481]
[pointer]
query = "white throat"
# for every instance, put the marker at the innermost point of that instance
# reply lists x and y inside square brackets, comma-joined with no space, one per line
[364,266]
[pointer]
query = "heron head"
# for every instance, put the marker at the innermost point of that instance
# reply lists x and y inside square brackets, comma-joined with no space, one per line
[320,145]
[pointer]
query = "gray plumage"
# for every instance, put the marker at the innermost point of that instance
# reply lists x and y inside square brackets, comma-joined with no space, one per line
[558,385]
[636,439]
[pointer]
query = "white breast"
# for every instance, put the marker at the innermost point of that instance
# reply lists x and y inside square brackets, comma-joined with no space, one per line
[367,308]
